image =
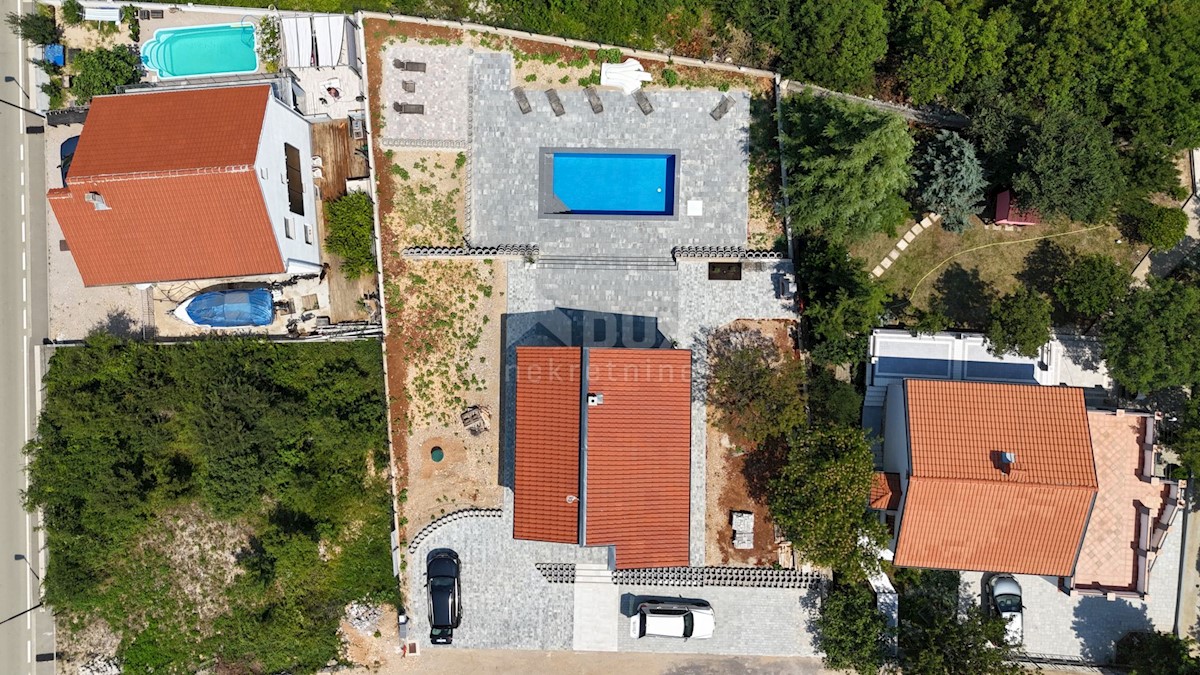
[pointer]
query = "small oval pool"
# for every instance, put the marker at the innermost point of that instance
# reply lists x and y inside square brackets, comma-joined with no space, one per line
[229,309]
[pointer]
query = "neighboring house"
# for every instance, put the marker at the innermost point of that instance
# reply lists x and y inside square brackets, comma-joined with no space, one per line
[603,451]
[190,184]
[1013,476]
[1009,211]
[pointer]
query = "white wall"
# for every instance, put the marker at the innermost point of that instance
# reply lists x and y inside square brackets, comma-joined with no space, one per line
[280,126]
[895,445]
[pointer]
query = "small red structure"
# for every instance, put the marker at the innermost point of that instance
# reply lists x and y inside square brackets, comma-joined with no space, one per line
[1009,212]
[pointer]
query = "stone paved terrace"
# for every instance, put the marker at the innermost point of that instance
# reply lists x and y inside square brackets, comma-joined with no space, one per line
[713,165]
[636,308]
[442,89]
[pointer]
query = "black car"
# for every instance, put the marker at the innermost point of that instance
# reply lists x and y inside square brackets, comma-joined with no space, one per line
[445,604]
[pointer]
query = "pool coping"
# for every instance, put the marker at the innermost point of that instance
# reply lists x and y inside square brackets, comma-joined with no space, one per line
[154,38]
[547,198]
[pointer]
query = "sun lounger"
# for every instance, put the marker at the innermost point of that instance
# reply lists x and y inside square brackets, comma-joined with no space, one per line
[414,66]
[522,100]
[156,14]
[643,102]
[723,107]
[409,108]
[593,99]
[555,103]
[409,86]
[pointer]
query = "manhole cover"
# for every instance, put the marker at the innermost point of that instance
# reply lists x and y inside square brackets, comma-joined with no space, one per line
[436,453]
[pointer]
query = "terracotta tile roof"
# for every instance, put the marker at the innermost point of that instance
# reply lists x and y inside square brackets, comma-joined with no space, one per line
[176,171]
[885,491]
[1009,211]
[547,444]
[962,511]
[639,455]
[637,495]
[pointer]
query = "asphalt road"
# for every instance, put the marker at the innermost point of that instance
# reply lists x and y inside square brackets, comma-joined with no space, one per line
[26,638]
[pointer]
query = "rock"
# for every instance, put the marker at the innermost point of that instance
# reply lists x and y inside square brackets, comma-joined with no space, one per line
[99,665]
[364,618]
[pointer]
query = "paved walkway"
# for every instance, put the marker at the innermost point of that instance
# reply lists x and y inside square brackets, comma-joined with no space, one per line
[926,223]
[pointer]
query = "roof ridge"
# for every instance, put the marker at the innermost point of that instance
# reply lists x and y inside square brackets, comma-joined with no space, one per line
[170,173]
[986,481]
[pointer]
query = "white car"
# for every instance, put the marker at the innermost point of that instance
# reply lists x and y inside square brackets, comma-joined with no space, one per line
[658,618]
[1006,603]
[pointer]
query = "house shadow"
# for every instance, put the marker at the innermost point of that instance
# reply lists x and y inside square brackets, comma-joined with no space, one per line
[1099,623]
[964,297]
[561,327]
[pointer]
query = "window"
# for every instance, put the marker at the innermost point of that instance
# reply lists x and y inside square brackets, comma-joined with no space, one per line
[289,230]
[308,233]
[295,184]
[262,172]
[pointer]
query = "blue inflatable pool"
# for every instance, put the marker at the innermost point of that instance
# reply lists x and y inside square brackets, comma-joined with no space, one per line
[229,309]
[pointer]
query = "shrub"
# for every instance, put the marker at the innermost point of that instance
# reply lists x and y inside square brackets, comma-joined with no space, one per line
[100,71]
[350,222]
[35,27]
[670,77]
[1020,323]
[72,12]
[610,55]
[269,51]
[1160,226]
[756,389]
[54,89]
[531,78]
[129,14]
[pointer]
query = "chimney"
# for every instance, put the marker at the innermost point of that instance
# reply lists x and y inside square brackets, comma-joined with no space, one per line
[595,400]
[1007,459]
[96,200]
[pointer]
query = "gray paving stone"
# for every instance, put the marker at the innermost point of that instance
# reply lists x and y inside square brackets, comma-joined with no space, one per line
[443,89]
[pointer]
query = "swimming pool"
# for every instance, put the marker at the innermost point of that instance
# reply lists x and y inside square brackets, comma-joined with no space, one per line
[201,50]
[608,183]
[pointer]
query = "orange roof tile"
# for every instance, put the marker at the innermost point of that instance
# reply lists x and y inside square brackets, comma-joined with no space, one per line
[962,511]
[885,491]
[639,455]
[176,171]
[547,444]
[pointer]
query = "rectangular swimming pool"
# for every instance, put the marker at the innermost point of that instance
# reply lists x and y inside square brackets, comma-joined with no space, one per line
[201,50]
[577,183]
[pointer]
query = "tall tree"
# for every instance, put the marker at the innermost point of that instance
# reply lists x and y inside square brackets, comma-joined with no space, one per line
[100,71]
[843,302]
[940,634]
[1092,286]
[1157,653]
[950,179]
[1020,323]
[37,27]
[757,390]
[1152,340]
[933,57]
[1160,226]
[1070,166]
[819,498]
[836,43]
[851,631]
[847,167]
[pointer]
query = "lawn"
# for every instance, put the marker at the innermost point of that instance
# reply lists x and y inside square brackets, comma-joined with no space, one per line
[982,261]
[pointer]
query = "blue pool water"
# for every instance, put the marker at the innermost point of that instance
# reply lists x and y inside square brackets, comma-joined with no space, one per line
[615,184]
[201,50]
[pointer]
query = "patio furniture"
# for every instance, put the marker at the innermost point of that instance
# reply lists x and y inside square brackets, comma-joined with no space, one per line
[593,100]
[643,102]
[628,76]
[522,100]
[409,108]
[144,15]
[333,88]
[723,107]
[409,86]
[409,66]
[555,103]
[317,161]
[156,14]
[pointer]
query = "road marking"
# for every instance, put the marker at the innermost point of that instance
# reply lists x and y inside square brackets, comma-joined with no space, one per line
[22,146]
[24,260]
[22,203]
[22,231]
[24,289]
[22,178]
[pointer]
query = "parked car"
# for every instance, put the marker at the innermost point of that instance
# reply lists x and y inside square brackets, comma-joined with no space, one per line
[681,619]
[445,601]
[1005,601]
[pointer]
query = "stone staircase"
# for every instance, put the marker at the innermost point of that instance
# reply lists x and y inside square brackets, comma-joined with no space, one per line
[875,397]
[606,262]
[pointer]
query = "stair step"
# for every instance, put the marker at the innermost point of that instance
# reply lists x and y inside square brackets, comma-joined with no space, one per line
[606,262]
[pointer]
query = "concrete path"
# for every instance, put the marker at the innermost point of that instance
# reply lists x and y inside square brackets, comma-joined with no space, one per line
[597,601]
[1162,263]
[927,222]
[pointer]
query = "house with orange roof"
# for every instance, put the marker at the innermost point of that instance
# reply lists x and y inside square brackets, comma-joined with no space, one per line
[189,184]
[1022,479]
[603,451]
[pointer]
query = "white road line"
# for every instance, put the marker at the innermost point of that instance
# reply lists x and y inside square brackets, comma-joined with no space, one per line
[22,231]
[24,319]
[22,147]
[22,203]
[24,260]
[24,289]
[22,179]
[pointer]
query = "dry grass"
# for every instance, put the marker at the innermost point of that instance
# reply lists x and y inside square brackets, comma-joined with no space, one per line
[428,206]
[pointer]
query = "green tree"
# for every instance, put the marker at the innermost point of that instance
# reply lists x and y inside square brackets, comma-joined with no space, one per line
[1183,437]
[36,27]
[72,12]
[843,302]
[1157,653]
[100,71]
[757,390]
[990,41]
[819,498]
[1070,166]
[1092,286]
[934,56]
[851,632]
[941,635]
[1152,340]
[350,223]
[1019,323]
[950,180]
[847,167]
[1160,226]
[832,401]
[836,43]
[998,129]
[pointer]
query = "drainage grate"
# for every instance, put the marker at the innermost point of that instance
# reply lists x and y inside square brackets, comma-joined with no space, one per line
[718,576]
[557,573]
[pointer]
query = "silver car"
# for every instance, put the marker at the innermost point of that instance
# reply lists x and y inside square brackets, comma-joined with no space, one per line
[1005,601]
[682,619]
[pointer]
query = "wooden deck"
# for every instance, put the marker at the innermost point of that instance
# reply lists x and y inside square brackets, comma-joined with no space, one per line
[339,162]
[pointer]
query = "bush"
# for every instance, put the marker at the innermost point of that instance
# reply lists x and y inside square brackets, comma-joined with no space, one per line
[100,71]
[851,631]
[1092,286]
[54,90]
[129,14]
[72,12]
[350,222]
[670,77]
[832,401]
[35,27]
[756,389]
[1159,226]
[1020,323]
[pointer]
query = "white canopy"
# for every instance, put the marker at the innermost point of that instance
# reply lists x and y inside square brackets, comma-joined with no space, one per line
[112,14]
[328,32]
[297,41]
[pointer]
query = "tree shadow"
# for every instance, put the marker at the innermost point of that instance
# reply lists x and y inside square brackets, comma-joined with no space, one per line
[761,465]
[120,324]
[964,297]
[1044,266]
[1099,623]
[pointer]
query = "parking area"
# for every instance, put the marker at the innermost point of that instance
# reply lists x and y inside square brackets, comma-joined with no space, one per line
[1086,627]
